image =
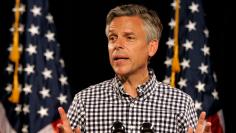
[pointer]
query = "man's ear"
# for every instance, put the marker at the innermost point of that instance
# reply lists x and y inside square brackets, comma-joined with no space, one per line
[152,47]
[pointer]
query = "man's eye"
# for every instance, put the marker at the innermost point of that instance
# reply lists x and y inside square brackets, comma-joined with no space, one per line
[130,37]
[112,38]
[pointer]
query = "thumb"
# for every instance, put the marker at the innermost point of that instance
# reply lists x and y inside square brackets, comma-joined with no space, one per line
[60,128]
[208,128]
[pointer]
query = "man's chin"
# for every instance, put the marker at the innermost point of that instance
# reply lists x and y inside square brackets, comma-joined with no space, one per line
[121,73]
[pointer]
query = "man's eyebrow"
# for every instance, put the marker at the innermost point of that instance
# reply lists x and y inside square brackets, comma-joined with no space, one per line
[111,33]
[129,33]
[110,30]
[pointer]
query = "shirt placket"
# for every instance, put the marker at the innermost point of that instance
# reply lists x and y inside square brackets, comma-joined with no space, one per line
[131,115]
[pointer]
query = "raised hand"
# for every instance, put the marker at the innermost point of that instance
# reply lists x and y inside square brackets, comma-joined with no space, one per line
[65,126]
[202,127]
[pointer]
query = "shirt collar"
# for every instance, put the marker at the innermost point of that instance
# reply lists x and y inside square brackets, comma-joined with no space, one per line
[142,89]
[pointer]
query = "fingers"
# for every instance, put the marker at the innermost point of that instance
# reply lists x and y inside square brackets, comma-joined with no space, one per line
[201,122]
[201,119]
[63,116]
[207,128]
[60,128]
[190,130]
[202,126]
[65,126]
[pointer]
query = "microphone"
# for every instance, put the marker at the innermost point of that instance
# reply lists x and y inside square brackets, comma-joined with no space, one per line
[118,127]
[146,128]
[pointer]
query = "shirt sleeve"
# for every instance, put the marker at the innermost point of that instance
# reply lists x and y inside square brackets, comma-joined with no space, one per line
[191,115]
[188,118]
[76,114]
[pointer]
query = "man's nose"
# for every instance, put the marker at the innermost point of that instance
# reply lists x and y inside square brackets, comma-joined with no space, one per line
[120,42]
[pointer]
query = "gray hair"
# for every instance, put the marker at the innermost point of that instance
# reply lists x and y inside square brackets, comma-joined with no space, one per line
[152,23]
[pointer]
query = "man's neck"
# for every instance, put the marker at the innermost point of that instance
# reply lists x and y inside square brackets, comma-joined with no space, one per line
[131,83]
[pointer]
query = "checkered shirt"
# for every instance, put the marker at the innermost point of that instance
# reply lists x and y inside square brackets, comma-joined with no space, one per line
[96,108]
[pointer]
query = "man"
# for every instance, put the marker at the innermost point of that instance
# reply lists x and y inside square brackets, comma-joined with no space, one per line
[133,96]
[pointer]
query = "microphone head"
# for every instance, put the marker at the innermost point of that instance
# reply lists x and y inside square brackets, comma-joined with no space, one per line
[146,127]
[118,127]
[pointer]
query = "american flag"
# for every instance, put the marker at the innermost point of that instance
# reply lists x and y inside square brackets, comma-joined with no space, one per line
[43,83]
[196,76]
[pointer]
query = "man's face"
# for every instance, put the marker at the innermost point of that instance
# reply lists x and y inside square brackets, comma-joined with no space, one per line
[127,45]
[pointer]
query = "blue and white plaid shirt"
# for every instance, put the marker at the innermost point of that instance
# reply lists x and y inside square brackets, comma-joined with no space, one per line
[96,108]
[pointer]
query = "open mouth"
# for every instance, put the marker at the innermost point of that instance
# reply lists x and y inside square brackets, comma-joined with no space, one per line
[119,57]
[122,58]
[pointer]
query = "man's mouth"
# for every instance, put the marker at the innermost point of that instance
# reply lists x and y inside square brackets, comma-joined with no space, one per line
[116,59]
[120,57]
